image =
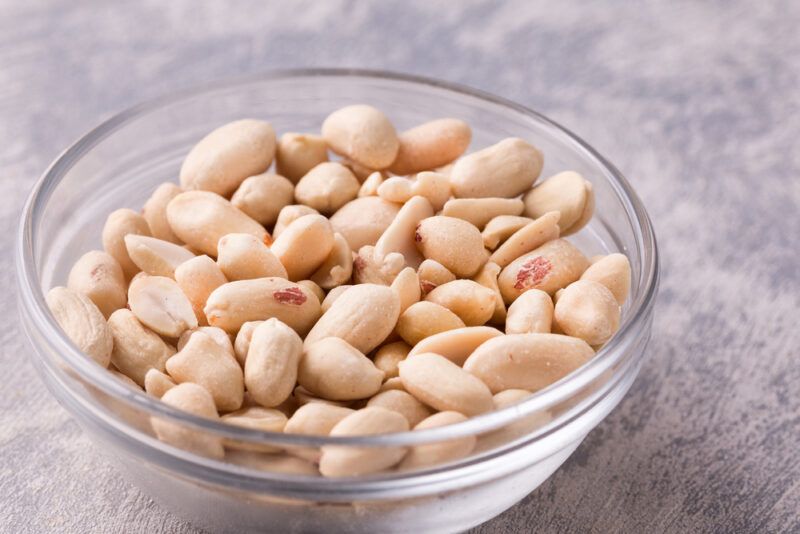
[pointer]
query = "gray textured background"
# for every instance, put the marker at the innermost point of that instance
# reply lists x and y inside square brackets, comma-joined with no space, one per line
[696,102]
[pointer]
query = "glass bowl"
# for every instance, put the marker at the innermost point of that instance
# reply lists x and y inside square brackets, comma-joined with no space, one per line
[121,161]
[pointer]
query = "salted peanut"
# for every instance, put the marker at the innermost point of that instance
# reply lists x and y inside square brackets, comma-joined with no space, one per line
[531,313]
[403,403]
[343,461]
[362,221]
[154,212]
[263,196]
[430,145]
[527,361]
[204,362]
[487,277]
[392,384]
[456,345]
[333,369]
[201,218]
[197,278]
[195,400]
[332,295]
[217,334]
[363,134]
[425,319]
[364,316]
[371,184]
[528,238]
[327,187]
[241,345]
[235,303]
[388,356]
[160,305]
[136,348]
[243,257]
[431,185]
[304,246]
[83,323]
[454,243]
[589,311]
[157,383]
[472,302]
[406,285]
[516,429]
[156,256]
[288,215]
[314,419]
[569,194]
[506,169]
[479,211]
[433,274]
[303,397]
[119,224]
[273,463]
[270,369]
[614,272]
[443,385]
[314,288]
[554,265]
[501,228]
[400,235]
[298,153]
[337,267]
[370,267]
[225,157]
[440,452]
[255,418]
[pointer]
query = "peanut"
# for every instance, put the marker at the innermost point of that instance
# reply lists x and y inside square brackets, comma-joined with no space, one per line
[473,303]
[263,196]
[388,356]
[433,274]
[403,403]
[299,153]
[304,245]
[196,400]
[136,348]
[302,397]
[361,172]
[156,256]
[243,257]
[197,278]
[314,419]
[487,277]
[406,285]
[362,221]
[400,234]
[157,383]
[98,276]
[363,134]
[217,334]
[567,193]
[425,319]
[270,370]
[159,304]
[314,288]
[83,323]
[431,185]
[256,418]
[454,243]
[392,384]
[531,313]
[506,169]
[430,145]
[288,215]
[614,272]
[337,267]
[479,211]
[241,345]
[327,187]
[369,188]
[515,429]
[154,212]
[589,311]
[441,452]
[335,370]
[501,228]
[554,265]
[119,224]
[273,463]
[332,295]
[456,345]
[370,267]
[527,238]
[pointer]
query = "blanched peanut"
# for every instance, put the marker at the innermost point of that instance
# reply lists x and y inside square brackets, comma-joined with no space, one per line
[263,196]
[527,361]
[136,348]
[327,187]
[363,134]
[119,224]
[370,186]
[337,267]
[241,344]
[197,278]
[201,218]
[569,194]
[425,319]
[155,256]
[505,169]
[403,403]
[531,313]
[433,274]
[204,362]
[364,316]
[527,238]
[83,323]
[154,212]
[400,235]
[157,383]
[443,385]
[119,376]
[454,243]
[335,370]
[288,215]
[392,384]
[501,228]
[430,145]
[456,345]
[270,370]
[363,220]
[98,276]
[342,461]
[225,157]
[235,303]
[299,153]
[370,267]
[614,272]
[273,463]
[440,452]
[361,172]
[304,245]
[554,265]
[243,257]
[332,295]
[487,277]
[431,185]
[472,302]
[589,311]
[302,397]
[256,418]
[314,288]
[516,429]
[195,400]
[479,211]
[406,285]
[314,419]
[388,356]
[159,304]
[217,334]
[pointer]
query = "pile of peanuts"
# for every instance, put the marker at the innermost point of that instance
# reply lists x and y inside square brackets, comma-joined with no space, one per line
[402,286]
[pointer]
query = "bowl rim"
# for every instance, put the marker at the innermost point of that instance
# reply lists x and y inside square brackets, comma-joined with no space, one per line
[32,296]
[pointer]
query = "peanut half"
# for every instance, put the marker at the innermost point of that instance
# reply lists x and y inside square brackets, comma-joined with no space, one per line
[243,257]
[506,169]
[159,304]
[120,223]
[154,212]
[335,370]
[614,272]
[363,134]
[299,153]
[327,187]
[569,194]
[589,311]
[197,278]
[155,256]
[456,345]
[263,196]
[304,245]
[362,221]
[440,452]
[454,243]
[431,145]
[137,349]
[273,357]
[479,211]
[98,276]
[83,323]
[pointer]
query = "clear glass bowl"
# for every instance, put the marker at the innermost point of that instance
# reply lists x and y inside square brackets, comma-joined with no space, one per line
[120,162]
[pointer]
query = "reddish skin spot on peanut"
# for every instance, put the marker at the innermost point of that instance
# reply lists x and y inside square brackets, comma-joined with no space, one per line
[290,295]
[359,263]
[426,286]
[268,240]
[417,235]
[532,273]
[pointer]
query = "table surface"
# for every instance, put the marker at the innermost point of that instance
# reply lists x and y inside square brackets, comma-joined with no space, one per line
[695,101]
